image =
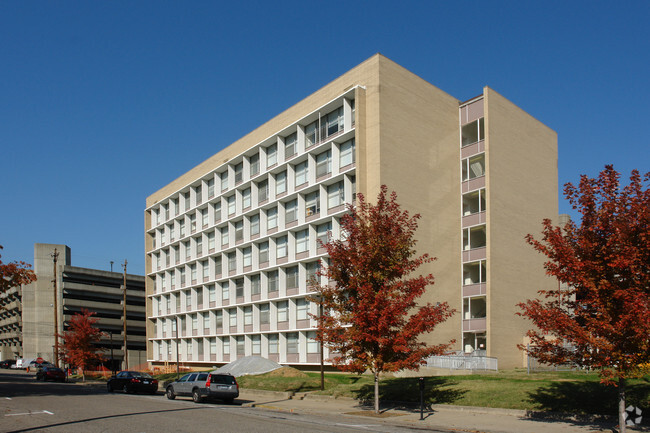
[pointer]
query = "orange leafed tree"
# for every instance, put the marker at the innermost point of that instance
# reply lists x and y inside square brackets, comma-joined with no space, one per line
[15,274]
[600,316]
[370,317]
[79,340]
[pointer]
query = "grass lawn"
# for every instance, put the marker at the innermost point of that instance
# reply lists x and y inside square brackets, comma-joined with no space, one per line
[572,392]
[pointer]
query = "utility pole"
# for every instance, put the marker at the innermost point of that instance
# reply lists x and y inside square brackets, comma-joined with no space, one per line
[126,356]
[55,256]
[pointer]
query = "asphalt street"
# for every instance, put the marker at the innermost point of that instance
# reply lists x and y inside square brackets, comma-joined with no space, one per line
[27,405]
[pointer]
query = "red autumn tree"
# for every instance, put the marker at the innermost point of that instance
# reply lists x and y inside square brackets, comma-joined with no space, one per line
[79,340]
[15,274]
[600,316]
[370,319]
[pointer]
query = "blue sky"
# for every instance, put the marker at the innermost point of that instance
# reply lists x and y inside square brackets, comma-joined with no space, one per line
[104,102]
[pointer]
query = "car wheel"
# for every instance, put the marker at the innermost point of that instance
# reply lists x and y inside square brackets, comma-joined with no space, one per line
[109,387]
[196,396]
[126,389]
[170,393]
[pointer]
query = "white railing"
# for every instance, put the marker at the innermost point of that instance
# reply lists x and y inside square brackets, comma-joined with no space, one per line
[463,362]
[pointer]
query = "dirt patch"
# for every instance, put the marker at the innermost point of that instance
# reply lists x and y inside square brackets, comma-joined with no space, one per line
[374,415]
[287,372]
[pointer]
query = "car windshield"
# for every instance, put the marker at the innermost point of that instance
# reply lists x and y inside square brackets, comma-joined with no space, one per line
[145,375]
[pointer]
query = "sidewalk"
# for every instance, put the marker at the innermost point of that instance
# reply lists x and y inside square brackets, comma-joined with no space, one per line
[442,417]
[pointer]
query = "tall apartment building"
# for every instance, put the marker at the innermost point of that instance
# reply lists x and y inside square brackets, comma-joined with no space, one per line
[79,288]
[231,244]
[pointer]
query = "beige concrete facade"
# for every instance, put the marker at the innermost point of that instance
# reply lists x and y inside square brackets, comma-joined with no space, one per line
[408,137]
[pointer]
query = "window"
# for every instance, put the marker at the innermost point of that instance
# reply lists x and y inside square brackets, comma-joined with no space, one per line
[241,345]
[272,218]
[246,198]
[473,167]
[248,256]
[281,245]
[474,308]
[283,311]
[313,346]
[312,274]
[232,262]
[176,207]
[213,346]
[232,317]
[271,155]
[256,344]
[292,277]
[291,211]
[474,273]
[182,276]
[206,269]
[171,233]
[199,195]
[188,299]
[205,217]
[273,281]
[226,345]
[302,309]
[254,161]
[290,143]
[311,134]
[302,241]
[335,195]
[312,204]
[262,191]
[231,204]
[256,284]
[255,224]
[217,265]
[224,180]
[347,153]
[211,241]
[211,188]
[219,319]
[263,252]
[474,202]
[264,314]
[301,173]
[187,201]
[292,342]
[199,246]
[239,231]
[273,343]
[224,236]
[334,121]
[239,288]
[324,163]
[474,237]
[473,132]
[193,222]
[182,228]
[239,172]
[199,296]
[248,315]
[322,231]
[281,183]
[212,293]
[195,322]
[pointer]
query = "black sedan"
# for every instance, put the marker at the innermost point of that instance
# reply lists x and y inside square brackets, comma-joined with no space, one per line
[132,381]
[8,363]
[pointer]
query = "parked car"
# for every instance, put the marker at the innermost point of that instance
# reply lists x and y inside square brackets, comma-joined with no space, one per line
[50,372]
[8,363]
[204,385]
[132,381]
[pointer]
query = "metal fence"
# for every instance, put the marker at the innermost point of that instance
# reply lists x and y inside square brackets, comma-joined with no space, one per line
[462,361]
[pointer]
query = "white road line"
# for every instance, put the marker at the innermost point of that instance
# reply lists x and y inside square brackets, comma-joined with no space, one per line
[7,398]
[30,413]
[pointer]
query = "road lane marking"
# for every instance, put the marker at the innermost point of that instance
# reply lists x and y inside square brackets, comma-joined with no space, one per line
[30,413]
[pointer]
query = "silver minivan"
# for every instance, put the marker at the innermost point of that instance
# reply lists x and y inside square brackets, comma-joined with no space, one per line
[211,385]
